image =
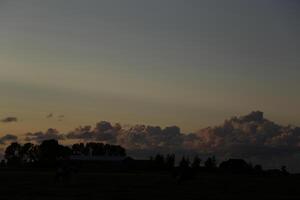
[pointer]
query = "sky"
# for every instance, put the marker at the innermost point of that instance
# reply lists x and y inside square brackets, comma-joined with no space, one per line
[189,63]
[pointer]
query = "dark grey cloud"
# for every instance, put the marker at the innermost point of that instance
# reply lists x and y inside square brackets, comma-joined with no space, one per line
[249,130]
[8,138]
[9,119]
[251,137]
[151,137]
[82,133]
[103,132]
[248,136]
[41,136]
[134,137]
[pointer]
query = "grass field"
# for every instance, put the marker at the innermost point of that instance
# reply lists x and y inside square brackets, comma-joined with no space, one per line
[40,184]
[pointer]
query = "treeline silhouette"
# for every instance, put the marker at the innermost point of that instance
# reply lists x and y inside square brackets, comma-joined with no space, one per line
[211,165]
[52,154]
[50,151]
[189,169]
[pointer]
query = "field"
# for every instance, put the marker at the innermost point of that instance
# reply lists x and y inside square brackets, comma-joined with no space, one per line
[40,184]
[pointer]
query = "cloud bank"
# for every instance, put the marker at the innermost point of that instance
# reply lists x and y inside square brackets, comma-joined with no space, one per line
[249,135]
[135,137]
[252,137]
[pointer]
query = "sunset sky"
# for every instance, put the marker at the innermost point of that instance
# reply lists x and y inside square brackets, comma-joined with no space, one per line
[189,63]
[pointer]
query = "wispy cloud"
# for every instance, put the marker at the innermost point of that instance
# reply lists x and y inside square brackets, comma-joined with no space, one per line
[58,117]
[50,115]
[9,119]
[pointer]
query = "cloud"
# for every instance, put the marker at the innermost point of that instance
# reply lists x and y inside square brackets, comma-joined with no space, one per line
[8,138]
[50,115]
[41,136]
[9,119]
[61,117]
[252,129]
[151,137]
[81,133]
[57,117]
[251,137]
[103,132]
[134,137]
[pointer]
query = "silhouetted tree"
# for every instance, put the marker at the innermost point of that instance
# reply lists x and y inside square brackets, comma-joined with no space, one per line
[211,163]
[159,161]
[196,162]
[12,154]
[78,149]
[26,153]
[236,165]
[50,151]
[98,149]
[114,150]
[2,163]
[184,172]
[170,161]
[284,170]
[257,169]
[184,163]
[34,153]
[120,151]
[95,149]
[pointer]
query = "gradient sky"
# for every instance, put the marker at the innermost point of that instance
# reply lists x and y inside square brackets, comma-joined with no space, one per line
[189,63]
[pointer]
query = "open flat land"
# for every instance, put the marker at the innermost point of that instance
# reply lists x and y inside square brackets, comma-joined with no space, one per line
[40,184]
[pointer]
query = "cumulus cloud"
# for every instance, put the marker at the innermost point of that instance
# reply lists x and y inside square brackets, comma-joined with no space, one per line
[9,119]
[103,132]
[41,136]
[251,137]
[82,133]
[8,138]
[248,136]
[151,137]
[134,137]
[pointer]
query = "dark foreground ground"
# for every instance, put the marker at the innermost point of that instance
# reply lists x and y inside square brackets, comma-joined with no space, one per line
[40,184]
